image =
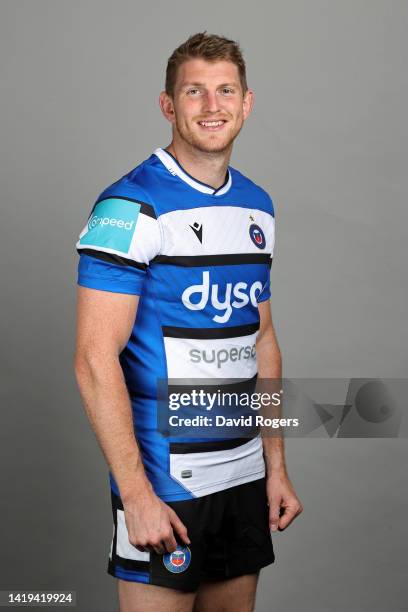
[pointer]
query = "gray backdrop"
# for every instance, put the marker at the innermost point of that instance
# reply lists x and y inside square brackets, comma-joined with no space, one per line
[328,140]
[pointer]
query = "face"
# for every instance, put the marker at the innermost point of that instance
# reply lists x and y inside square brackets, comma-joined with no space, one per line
[208,108]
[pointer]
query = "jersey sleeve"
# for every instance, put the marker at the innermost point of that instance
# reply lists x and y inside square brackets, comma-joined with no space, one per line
[265,293]
[118,242]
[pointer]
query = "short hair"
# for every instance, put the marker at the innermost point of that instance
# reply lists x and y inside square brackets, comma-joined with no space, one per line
[209,47]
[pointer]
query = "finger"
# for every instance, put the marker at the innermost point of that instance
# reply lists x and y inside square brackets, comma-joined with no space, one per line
[180,528]
[155,547]
[140,548]
[274,510]
[287,517]
[159,549]
[149,548]
[170,542]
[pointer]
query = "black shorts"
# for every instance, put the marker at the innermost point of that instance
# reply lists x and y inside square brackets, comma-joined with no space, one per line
[229,533]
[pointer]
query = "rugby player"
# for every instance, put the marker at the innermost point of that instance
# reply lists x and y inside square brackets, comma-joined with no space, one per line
[173,279]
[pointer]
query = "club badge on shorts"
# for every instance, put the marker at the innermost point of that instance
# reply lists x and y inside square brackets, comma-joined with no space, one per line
[177,561]
[257,236]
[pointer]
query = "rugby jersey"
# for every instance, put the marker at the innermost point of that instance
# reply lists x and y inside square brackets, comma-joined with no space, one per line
[199,258]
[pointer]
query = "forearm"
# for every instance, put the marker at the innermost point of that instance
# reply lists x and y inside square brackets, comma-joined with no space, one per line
[269,363]
[107,404]
[274,455]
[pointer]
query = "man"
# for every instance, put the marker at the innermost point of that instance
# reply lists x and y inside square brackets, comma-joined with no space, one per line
[174,271]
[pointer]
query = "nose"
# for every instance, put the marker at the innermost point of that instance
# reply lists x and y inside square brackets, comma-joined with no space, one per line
[211,102]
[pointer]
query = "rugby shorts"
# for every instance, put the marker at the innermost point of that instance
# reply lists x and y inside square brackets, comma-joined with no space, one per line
[229,533]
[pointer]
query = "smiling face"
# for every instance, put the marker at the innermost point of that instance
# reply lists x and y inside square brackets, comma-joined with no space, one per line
[208,108]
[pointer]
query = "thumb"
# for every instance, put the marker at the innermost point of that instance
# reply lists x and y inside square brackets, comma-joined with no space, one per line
[180,528]
[274,511]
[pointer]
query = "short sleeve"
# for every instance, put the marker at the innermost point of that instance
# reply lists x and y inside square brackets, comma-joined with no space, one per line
[117,244]
[265,293]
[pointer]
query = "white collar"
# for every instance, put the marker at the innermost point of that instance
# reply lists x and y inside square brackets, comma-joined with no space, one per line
[176,170]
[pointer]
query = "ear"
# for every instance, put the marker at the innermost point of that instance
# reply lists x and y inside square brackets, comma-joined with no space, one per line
[167,106]
[248,103]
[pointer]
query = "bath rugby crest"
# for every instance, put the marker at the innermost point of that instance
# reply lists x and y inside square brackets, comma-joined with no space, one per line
[257,236]
[177,561]
[199,258]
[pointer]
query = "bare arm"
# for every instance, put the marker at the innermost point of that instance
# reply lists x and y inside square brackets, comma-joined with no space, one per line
[279,488]
[269,366]
[104,323]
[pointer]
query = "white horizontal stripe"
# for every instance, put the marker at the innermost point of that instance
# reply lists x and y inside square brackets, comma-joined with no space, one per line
[218,470]
[146,241]
[211,358]
[225,229]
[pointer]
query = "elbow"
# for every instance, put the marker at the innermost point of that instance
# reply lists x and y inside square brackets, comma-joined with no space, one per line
[82,368]
[94,365]
[88,362]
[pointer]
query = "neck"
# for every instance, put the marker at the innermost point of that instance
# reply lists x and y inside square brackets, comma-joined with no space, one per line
[208,168]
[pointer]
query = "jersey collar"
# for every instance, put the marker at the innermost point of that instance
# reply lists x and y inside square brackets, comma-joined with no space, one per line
[175,169]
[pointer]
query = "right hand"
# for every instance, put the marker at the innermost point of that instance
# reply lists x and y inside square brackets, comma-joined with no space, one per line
[150,524]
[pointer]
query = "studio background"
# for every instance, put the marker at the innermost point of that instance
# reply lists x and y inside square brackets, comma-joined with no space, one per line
[328,140]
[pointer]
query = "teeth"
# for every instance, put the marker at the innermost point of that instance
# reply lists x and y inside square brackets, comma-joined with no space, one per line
[211,123]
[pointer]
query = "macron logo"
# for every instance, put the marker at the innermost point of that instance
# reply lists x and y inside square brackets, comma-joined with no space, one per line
[198,230]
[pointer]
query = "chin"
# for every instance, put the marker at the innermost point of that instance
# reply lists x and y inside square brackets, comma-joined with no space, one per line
[214,145]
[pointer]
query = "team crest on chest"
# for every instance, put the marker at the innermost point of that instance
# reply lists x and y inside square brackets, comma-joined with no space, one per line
[177,561]
[257,236]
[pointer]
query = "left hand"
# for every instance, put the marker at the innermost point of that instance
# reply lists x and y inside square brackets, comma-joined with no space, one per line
[281,494]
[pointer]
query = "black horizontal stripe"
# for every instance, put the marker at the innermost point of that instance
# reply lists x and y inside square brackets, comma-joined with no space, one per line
[210,333]
[231,259]
[132,565]
[145,209]
[181,448]
[113,258]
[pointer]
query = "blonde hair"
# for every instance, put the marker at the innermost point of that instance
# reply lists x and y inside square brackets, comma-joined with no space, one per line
[210,47]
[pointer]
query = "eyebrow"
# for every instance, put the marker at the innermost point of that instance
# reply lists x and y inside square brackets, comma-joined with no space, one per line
[196,84]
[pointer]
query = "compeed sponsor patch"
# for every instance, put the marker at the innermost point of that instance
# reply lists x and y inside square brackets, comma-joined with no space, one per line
[112,224]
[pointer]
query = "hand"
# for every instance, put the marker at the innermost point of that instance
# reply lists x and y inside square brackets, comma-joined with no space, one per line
[150,523]
[281,494]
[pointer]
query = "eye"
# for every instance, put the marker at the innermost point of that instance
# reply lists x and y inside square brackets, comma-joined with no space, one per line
[193,91]
[227,90]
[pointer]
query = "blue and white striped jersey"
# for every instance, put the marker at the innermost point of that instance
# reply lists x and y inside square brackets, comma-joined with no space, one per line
[199,258]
